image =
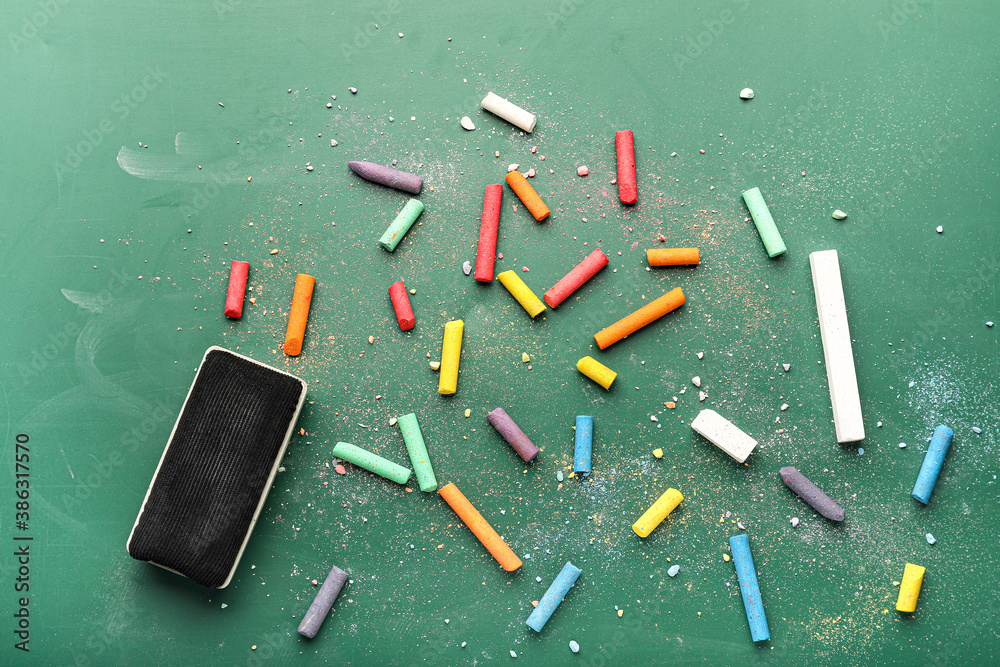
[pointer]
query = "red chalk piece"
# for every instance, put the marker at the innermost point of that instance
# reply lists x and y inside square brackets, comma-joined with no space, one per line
[401,304]
[237,288]
[488,228]
[575,279]
[627,190]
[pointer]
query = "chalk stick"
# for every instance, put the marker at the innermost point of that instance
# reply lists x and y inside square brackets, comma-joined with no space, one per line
[596,371]
[520,291]
[237,288]
[837,352]
[747,575]
[625,152]
[322,603]
[489,227]
[480,527]
[451,354]
[768,231]
[519,184]
[583,444]
[553,596]
[657,512]
[397,230]
[372,462]
[387,176]
[724,434]
[909,588]
[673,256]
[811,494]
[575,279]
[513,434]
[649,313]
[509,111]
[401,306]
[298,314]
[417,449]
[933,460]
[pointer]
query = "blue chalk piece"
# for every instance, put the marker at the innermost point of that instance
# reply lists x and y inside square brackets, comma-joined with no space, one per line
[933,460]
[557,591]
[584,443]
[747,574]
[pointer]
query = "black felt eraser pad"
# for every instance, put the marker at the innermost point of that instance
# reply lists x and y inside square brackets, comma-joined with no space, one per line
[217,468]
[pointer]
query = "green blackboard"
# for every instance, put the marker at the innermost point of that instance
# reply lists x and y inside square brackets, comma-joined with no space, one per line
[146,145]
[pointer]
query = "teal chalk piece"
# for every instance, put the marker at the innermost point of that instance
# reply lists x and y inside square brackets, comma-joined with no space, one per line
[397,230]
[768,231]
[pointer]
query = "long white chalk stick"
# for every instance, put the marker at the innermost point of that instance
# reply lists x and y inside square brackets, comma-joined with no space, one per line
[724,434]
[837,350]
[509,111]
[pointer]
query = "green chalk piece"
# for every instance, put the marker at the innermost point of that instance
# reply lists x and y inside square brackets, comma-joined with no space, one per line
[768,231]
[397,230]
[419,457]
[372,462]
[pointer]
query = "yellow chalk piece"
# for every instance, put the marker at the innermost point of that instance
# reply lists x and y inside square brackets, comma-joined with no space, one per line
[658,453]
[521,292]
[909,588]
[451,352]
[655,515]
[596,371]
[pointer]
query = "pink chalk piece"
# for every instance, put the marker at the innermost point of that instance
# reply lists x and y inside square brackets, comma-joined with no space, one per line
[582,170]
[575,279]
[340,469]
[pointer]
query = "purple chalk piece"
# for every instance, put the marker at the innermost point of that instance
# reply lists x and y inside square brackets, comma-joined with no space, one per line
[320,606]
[514,436]
[811,493]
[393,178]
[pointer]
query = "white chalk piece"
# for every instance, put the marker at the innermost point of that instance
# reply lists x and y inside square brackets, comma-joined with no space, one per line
[837,351]
[724,434]
[509,111]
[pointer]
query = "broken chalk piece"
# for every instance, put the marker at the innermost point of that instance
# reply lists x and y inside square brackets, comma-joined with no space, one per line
[238,273]
[583,444]
[397,230]
[520,291]
[747,575]
[322,603]
[553,596]
[575,279]
[513,434]
[509,111]
[657,512]
[451,354]
[724,434]
[387,176]
[488,229]
[909,588]
[768,231]
[372,462]
[673,256]
[417,449]
[298,315]
[519,184]
[625,152]
[837,351]
[933,460]
[596,371]
[649,313]
[401,306]
[480,527]
[811,494]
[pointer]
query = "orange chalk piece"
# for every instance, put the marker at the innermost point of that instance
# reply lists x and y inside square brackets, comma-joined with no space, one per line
[480,527]
[673,256]
[299,314]
[651,312]
[519,184]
